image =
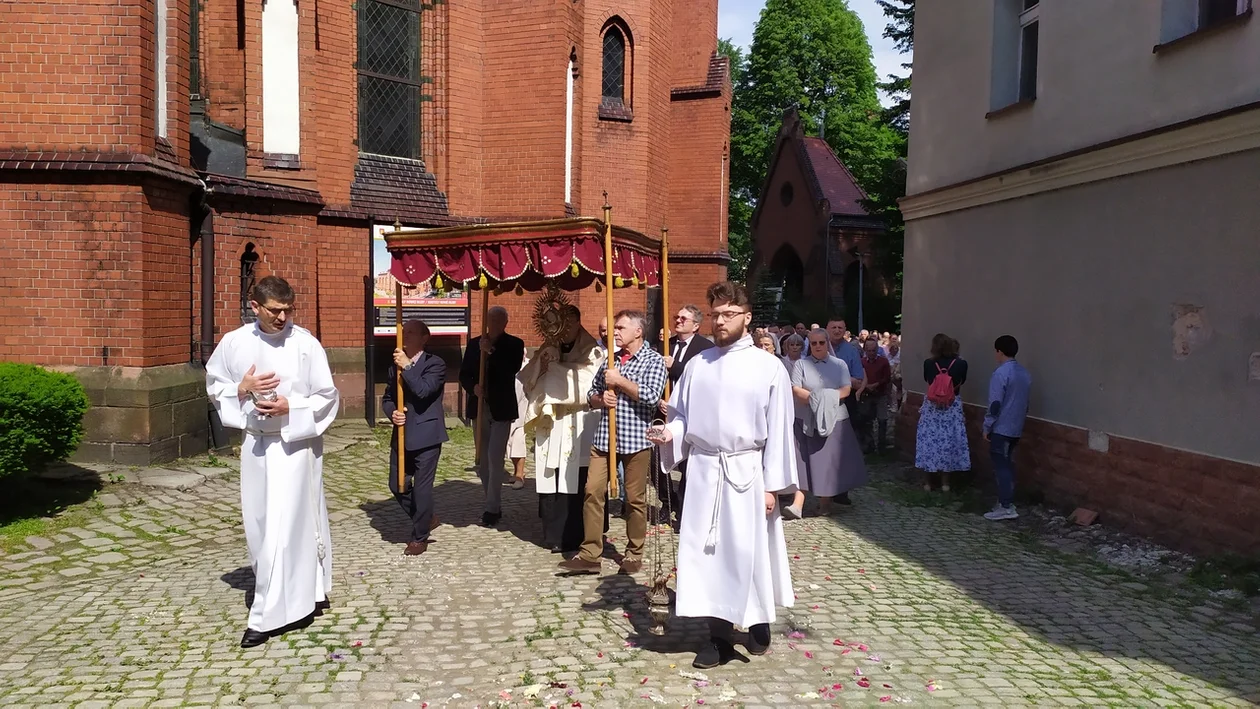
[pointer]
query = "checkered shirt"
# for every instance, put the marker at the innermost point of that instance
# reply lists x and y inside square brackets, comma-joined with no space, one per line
[646,368]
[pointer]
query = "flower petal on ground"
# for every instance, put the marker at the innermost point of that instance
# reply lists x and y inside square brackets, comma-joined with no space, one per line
[864,683]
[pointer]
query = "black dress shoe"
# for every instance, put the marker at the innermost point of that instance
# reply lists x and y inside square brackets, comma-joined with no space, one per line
[716,652]
[758,639]
[557,549]
[253,638]
[843,499]
[490,520]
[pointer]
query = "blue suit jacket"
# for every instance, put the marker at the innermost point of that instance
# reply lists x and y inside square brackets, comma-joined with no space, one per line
[423,385]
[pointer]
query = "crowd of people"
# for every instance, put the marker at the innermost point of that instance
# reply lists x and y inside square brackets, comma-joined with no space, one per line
[751,419]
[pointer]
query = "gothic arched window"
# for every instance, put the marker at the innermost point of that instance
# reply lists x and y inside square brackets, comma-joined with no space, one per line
[616,65]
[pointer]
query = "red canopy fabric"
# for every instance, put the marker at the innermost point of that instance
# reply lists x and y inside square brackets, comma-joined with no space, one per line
[569,252]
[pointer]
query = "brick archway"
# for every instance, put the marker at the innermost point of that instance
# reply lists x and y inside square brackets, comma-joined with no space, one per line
[786,270]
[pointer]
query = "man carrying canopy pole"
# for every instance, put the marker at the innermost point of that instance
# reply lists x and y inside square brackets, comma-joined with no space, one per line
[633,392]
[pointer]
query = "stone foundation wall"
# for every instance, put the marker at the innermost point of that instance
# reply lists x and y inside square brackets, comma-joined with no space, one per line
[141,416]
[1189,501]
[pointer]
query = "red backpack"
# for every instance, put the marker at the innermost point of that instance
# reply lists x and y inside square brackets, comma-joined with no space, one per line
[941,390]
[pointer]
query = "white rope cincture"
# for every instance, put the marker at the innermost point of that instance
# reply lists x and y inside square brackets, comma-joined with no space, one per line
[724,476]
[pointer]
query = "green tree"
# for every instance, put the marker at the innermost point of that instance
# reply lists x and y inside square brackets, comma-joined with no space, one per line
[900,29]
[739,204]
[812,55]
[891,186]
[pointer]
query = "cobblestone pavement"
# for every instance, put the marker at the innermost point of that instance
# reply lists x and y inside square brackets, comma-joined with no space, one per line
[145,606]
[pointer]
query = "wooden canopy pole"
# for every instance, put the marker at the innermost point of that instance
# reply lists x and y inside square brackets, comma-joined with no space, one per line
[613,490]
[665,298]
[400,401]
[479,434]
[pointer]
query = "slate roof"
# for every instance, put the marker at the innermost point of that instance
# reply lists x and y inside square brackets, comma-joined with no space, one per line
[832,181]
[392,189]
[258,189]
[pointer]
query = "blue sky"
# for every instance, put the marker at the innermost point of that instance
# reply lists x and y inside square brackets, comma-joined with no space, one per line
[737,18]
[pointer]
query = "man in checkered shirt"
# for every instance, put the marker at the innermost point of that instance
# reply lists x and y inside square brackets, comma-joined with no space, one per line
[635,389]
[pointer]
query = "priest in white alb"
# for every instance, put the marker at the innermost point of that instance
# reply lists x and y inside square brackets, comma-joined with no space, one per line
[730,418]
[271,379]
[556,382]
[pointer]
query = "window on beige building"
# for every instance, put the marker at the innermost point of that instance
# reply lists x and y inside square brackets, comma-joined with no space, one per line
[1016,31]
[1183,17]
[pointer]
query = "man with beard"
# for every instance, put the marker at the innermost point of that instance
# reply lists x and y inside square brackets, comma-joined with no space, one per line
[556,382]
[731,418]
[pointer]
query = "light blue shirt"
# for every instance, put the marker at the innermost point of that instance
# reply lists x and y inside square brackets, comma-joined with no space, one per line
[852,358]
[1008,400]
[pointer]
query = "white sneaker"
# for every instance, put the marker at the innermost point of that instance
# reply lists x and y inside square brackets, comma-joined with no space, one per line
[792,512]
[1000,513]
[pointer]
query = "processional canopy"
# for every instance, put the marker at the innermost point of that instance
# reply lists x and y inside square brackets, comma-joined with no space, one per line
[566,253]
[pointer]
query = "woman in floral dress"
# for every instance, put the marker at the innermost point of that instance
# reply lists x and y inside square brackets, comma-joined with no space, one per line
[941,440]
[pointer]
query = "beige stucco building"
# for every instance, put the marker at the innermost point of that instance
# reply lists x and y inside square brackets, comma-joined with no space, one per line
[1086,176]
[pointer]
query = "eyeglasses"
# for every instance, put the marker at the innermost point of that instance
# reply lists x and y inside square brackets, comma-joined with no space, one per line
[723,316]
[277,312]
[681,318]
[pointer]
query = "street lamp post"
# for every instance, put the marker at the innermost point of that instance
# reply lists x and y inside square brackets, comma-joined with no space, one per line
[861,291]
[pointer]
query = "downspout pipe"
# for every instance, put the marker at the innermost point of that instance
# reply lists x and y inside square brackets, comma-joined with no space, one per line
[202,225]
[206,340]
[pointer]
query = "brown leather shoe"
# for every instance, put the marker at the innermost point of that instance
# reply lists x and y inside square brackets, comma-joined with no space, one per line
[578,566]
[631,566]
[416,548]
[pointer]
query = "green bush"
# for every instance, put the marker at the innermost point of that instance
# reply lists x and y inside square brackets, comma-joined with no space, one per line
[41,417]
